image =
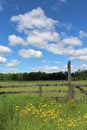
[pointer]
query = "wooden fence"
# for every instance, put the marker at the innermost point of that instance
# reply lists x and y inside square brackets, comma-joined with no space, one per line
[71,91]
[40,90]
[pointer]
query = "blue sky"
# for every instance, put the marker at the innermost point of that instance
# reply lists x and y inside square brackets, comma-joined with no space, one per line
[42,35]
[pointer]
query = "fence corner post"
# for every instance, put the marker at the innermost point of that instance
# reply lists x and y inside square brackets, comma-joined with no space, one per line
[71,87]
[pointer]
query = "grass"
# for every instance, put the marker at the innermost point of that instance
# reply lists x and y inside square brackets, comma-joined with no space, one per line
[29,112]
[61,94]
[21,112]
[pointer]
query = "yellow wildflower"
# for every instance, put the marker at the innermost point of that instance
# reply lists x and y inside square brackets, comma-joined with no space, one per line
[23,113]
[17,108]
[85,116]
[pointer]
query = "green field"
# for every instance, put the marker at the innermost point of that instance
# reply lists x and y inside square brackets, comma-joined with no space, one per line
[31,112]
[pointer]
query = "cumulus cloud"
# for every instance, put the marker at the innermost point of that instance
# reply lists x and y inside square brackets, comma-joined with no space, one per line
[47,69]
[81,58]
[33,19]
[15,40]
[83,67]
[2,60]
[73,41]
[45,61]
[82,34]
[40,31]
[38,28]
[30,53]
[12,70]
[13,63]
[80,54]
[4,50]
[63,68]
[57,62]
[51,69]
[41,39]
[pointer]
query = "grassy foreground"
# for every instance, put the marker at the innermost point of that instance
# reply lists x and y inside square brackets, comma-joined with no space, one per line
[21,112]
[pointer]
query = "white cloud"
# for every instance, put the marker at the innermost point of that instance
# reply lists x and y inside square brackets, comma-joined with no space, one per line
[55,48]
[15,40]
[83,67]
[30,53]
[80,67]
[82,34]
[73,41]
[33,19]
[57,62]
[2,60]
[80,54]
[4,50]
[13,63]
[41,39]
[51,69]
[47,69]
[73,68]
[45,61]
[76,53]
[40,32]
[38,28]
[12,70]
[80,57]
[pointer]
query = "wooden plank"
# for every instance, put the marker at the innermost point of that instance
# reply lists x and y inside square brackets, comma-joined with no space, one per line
[33,85]
[81,98]
[55,91]
[80,85]
[81,90]
[45,85]
[33,91]
[18,92]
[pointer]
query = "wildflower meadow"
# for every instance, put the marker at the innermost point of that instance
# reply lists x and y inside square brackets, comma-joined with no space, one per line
[21,112]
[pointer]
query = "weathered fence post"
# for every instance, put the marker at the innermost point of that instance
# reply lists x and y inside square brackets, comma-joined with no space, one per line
[71,87]
[40,90]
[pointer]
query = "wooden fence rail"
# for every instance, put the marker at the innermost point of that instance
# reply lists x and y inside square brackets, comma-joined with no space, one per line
[40,90]
[33,91]
[33,85]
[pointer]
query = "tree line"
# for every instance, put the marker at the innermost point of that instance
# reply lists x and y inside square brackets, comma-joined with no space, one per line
[79,75]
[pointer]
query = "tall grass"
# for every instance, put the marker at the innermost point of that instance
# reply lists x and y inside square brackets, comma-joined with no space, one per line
[21,112]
